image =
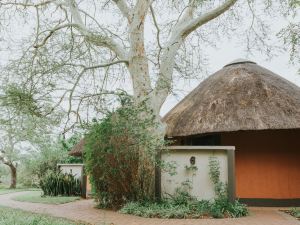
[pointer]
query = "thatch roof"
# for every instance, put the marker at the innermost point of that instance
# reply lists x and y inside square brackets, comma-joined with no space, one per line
[77,150]
[240,96]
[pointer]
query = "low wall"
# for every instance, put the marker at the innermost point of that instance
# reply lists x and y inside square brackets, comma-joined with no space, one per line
[195,178]
[75,169]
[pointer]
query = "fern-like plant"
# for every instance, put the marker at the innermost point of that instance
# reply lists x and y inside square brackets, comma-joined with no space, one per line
[60,184]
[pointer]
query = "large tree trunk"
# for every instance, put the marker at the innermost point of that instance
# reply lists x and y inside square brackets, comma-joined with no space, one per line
[13,173]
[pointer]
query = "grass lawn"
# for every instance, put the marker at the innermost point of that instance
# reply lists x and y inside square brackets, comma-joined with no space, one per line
[36,197]
[9,216]
[7,190]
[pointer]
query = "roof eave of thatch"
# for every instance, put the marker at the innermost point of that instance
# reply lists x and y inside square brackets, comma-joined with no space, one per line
[241,96]
[77,150]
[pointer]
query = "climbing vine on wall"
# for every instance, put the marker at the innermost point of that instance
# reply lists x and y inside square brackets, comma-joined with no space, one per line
[220,187]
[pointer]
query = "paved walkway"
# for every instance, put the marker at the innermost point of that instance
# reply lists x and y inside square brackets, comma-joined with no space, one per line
[84,210]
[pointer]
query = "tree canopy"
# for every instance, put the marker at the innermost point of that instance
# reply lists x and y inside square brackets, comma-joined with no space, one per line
[74,55]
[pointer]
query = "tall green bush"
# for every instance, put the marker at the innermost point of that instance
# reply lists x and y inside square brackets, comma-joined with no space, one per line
[120,155]
[60,184]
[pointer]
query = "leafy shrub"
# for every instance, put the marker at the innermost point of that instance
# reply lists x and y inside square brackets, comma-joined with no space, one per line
[67,145]
[182,205]
[35,165]
[237,209]
[295,212]
[166,209]
[59,184]
[120,155]
[221,205]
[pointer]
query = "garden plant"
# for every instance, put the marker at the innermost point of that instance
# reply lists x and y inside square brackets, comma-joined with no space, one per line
[60,184]
[120,155]
[183,205]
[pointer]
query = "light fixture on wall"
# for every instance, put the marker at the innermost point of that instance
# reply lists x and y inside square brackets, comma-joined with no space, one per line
[193,160]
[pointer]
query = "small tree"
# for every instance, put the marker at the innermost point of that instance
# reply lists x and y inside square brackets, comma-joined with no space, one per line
[120,153]
[9,149]
[21,124]
[67,145]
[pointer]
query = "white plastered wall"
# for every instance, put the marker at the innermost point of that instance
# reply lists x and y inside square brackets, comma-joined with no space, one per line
[201,185]
[75,169]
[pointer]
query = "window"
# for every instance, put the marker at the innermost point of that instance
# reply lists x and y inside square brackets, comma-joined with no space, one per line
[214,139]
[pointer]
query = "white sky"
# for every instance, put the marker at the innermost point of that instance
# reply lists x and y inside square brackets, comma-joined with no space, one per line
[230,51]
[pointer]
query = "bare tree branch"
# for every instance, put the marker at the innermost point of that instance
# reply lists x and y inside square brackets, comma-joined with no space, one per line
[97,39]
[124,8]
[197,22]
[186,25]
[26,4]
[52,31]
[99,65]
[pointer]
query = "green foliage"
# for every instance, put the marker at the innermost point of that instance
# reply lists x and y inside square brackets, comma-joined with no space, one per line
[222,206]
[120,154]
[291,39]
[295,212]
[214,174]
[59,184]
[191,168]
[67,145]
[10,216]
[35,164]
[36,197]
[183,205]
[21,100]
[237,209]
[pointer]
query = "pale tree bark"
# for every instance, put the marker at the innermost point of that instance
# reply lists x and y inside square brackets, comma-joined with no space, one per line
[138,62]
[138,66]
[185,26]
[133,54]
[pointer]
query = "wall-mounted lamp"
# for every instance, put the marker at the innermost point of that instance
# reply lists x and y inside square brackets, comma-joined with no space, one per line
[193,160]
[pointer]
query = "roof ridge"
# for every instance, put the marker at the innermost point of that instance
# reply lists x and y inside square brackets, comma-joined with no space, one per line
[239,61]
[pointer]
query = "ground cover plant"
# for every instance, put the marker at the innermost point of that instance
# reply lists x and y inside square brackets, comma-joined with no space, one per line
[37,197]
[10,216]
[183,205]
[295,212]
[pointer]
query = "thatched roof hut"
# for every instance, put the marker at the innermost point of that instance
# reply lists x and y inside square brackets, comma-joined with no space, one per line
[258,112]
[77,150]
[240,96]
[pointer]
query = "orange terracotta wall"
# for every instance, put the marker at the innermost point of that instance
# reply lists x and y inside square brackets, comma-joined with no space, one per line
[267,163]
